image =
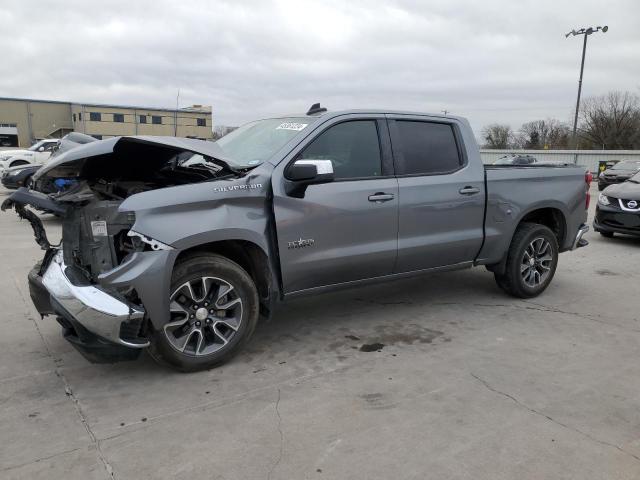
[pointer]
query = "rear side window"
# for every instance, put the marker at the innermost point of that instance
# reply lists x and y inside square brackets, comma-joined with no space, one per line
[424,148]
[353,148]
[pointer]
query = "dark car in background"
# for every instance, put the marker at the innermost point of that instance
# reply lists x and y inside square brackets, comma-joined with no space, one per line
[620,172]
[618,209]
[16,177]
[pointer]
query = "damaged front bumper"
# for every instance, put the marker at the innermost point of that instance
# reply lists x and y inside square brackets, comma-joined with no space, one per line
[100,325]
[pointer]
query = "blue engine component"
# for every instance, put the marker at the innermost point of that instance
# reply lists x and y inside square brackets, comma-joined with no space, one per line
[63,183]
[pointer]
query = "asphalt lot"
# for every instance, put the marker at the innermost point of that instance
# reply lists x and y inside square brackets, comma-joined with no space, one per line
[470,384]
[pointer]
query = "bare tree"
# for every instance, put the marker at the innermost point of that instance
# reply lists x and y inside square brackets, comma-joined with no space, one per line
[497,136]
[221,130]
[610,121]
[539,134]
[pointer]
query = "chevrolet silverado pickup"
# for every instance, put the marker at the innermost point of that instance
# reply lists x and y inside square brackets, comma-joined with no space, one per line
[178,246]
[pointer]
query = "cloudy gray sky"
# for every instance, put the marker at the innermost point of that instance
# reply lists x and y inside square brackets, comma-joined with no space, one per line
[492,60]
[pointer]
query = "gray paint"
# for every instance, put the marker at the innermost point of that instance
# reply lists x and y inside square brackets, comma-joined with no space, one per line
[514,192]
[428,226]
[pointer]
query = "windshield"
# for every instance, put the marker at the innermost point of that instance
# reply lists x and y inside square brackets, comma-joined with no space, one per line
[255,142]
[635,178]
[627,165]
[36,146]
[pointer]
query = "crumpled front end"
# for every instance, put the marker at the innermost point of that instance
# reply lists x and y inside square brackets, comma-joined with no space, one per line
[102,325]
[98,280]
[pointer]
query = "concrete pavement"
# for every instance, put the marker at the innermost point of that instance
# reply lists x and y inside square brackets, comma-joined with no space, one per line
[469,384]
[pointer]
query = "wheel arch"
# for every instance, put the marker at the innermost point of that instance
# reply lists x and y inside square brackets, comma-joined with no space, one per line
[251,257]
[15,162]
[549,215]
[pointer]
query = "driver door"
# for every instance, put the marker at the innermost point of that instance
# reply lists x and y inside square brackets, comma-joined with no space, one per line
[346,230]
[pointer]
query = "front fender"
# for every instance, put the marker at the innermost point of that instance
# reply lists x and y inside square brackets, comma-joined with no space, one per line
[149,273]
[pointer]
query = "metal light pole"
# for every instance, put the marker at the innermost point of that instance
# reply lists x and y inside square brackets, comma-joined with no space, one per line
[586,32]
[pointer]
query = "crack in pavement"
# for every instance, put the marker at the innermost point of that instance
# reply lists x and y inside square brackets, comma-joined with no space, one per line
[488,386]
[67,388]
[546,308]
[279,426]
[541,308]
[40,459]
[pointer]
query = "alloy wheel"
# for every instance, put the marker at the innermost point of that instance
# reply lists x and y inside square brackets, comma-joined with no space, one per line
[206,313]
[536,262]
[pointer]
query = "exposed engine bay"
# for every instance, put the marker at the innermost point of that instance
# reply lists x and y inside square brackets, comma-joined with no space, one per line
[96,235]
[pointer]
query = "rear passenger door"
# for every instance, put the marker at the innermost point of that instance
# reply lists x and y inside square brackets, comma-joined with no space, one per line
[442,195]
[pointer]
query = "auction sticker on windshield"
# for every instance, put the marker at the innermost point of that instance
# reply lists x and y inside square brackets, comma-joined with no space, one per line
[291,126]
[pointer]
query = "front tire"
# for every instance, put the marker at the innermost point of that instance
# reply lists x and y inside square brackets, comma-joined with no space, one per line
[607,234]
[531,261]
[214,310]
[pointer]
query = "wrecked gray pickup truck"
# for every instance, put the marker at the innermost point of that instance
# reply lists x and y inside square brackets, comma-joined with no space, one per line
[178,246]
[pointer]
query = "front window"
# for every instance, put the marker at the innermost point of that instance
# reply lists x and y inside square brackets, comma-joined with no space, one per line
[255,142]
[353,148]
[36,146]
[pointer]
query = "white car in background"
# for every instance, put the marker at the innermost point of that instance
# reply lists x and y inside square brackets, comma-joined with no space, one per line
[36,154]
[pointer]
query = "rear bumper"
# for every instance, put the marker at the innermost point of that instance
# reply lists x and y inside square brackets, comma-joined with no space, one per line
[96,316]
[579,241]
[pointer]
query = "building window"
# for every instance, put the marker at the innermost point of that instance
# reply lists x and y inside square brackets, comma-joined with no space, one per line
[118,117]
[143,119]
[202,122]
[95,116]
[156,119]
[80,117]
[74,117]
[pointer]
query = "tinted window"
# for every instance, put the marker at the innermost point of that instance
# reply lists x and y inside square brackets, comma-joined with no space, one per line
[202,122]
[118,117]
[425,148]
[143,119]
[95,116]
[156,119]
[353,147]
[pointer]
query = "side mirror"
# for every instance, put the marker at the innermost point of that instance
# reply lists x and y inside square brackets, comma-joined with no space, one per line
[303,173]
[41,149]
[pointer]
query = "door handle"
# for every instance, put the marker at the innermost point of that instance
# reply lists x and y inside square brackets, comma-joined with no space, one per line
[469,190]
[380,197]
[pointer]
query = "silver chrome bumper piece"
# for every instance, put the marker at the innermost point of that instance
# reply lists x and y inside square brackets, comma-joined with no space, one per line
[581,231]
[94,309]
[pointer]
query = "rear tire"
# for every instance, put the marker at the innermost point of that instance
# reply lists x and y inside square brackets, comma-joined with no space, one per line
[531,261]
[607,234]
[600,188]
[214,310]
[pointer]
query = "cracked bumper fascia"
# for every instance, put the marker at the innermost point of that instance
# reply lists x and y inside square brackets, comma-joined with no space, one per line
[149,273]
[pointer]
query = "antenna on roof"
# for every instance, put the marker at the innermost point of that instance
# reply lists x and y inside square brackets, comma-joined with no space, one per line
[316,108]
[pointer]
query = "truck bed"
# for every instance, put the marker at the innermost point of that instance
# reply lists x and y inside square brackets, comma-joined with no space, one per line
[515,190]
